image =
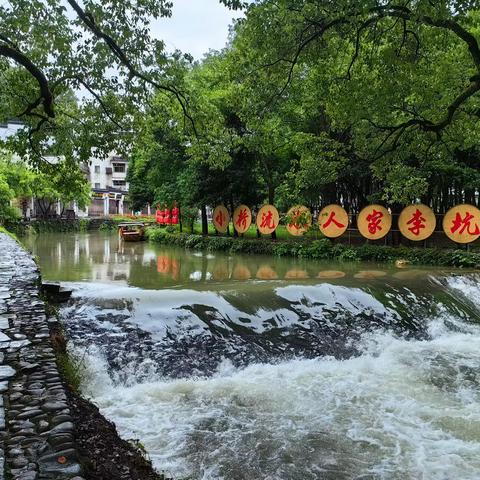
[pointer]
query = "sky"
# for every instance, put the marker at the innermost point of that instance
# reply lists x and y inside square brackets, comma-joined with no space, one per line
[195,27]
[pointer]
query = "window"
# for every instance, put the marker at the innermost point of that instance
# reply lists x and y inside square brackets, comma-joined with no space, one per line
[97,186]
[119,167]
[119,183]
[97,168]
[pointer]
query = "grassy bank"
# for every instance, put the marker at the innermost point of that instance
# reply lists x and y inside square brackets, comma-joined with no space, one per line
[322,249]
[62,225]
[4,230]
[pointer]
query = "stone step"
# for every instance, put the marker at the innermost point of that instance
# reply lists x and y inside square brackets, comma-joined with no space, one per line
[64,294]
[51,287]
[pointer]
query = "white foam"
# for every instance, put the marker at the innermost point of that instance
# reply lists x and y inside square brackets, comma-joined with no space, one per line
[467,285]
[401,410]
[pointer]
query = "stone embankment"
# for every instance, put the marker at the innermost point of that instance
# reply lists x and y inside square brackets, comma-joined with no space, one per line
[36,425]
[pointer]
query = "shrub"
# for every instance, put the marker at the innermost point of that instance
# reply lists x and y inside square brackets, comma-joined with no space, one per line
[322,249]
[83,224]
[108,226]
[73,369]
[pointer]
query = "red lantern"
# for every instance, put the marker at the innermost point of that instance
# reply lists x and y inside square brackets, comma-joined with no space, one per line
[175,213]
[167,217]
[159,216]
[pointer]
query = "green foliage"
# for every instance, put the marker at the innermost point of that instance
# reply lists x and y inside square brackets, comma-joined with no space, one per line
[108,226]
[9,233]
[83,224]
[60,225]
[372,101]
[7,213]
[63,181]
[101,48]
[380,104]
[73,369]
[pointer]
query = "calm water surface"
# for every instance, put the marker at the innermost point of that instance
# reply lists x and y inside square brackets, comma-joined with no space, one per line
[251,367]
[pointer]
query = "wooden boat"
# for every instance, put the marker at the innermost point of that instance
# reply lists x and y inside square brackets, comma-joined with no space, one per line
[131,231]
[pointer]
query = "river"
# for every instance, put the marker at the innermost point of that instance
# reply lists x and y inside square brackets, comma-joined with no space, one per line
[253,368]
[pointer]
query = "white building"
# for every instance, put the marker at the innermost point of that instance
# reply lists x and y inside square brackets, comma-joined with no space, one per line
[108,180]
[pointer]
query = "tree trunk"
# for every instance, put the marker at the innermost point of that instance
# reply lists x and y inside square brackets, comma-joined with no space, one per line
[235,233]
[395,236]
[204,220]
[271,198]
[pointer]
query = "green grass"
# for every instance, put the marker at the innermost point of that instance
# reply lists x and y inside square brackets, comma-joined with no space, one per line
[4,230]
[73,370]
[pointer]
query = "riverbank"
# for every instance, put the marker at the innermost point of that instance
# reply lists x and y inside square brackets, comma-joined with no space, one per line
[47,430]
[67,225]
[323,249]
[104,455]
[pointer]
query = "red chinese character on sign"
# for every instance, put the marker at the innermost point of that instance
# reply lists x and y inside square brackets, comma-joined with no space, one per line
[295,217]
[463,224]
[242,218]
[416,222]
[331,219]
[267,220]
[374,220]
[220,218]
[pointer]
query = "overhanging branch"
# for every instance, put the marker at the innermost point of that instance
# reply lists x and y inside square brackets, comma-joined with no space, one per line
[46,96]
[89,21]
[361,22]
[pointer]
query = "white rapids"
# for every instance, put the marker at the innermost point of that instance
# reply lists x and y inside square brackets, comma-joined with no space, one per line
[401,410]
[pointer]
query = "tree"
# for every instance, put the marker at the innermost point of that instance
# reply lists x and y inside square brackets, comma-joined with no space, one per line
[64,182]
[101,52]
[390,89]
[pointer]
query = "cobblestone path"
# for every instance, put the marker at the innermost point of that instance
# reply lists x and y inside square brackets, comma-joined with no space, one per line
[36,430]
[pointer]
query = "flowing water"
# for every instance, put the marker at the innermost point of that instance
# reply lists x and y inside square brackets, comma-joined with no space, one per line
[251,367]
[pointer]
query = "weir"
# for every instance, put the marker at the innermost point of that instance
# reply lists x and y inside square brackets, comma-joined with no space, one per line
[310,370]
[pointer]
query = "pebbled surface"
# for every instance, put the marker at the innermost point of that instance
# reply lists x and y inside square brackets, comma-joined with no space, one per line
[36,429]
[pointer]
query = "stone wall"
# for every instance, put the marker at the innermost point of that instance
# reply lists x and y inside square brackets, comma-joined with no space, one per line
[36,429]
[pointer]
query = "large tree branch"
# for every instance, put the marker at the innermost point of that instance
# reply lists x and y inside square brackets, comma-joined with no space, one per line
[322,28]
[80,80]
[8,51]
[396,131]
[472,89]
[399,12]
[445,23]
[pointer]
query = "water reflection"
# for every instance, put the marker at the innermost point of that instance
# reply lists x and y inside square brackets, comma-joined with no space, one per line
[330,274]
[102,257]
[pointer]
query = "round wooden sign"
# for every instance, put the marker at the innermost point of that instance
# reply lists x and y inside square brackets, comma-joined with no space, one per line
[267,219]
[462,223]
[417,222]
[221,219]
[301,220]
[242,218]
[374,222]
[333,221]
